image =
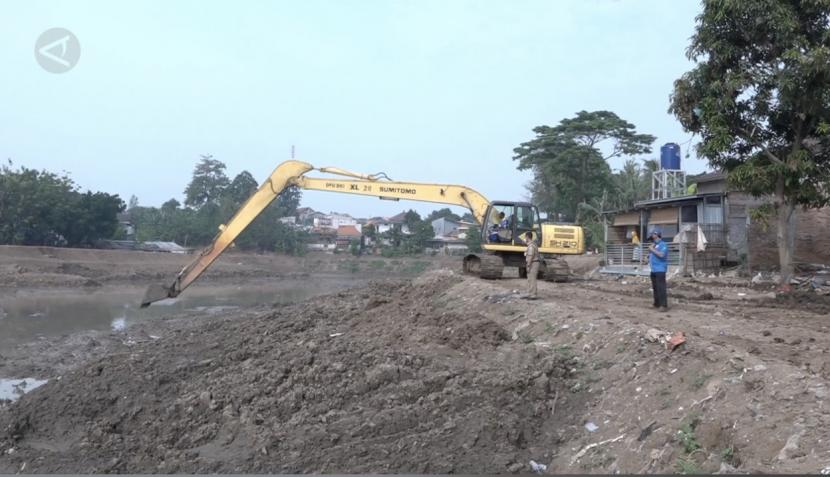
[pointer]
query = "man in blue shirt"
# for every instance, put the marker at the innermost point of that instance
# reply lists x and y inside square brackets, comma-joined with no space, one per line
[658,260]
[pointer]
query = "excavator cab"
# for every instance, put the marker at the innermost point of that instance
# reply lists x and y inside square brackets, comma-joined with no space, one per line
[507,222]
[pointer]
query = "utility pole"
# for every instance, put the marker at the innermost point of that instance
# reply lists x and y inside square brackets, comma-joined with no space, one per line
[292,151]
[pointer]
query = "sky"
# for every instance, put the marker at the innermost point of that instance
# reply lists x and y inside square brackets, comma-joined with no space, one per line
[429,91]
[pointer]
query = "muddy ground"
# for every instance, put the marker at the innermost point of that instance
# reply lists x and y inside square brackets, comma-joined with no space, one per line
[433,374]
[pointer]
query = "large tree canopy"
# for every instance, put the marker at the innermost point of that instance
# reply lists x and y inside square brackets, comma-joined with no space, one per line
[760,99]
[569,161]
[208,184]
[42,208]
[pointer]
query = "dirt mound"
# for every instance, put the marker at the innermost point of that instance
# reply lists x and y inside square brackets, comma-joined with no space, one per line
[805,300]
[381,379]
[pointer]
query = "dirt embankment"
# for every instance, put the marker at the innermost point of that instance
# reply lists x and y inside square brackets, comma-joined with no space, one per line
[448,373]
[390,378]
[48,267]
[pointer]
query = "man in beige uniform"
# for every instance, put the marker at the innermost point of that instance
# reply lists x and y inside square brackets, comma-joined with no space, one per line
[533,260]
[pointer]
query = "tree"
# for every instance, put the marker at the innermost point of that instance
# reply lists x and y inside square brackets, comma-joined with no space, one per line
[411,219]
[473,239]
[208,183]
[420,233]
[92,216]
[590,216]
[288,240]
[241,188]
[568,161]
[759,97]
[631,184]
[289,200]
[42,208]
[444,213]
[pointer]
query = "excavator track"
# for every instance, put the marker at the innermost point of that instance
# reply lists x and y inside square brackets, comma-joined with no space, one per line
[556,270]
[489,267]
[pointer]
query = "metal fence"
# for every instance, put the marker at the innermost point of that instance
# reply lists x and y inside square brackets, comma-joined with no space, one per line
[633,259]
[715,233]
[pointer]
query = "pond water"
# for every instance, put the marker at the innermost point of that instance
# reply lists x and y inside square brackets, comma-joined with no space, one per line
[29,315]
[12,389]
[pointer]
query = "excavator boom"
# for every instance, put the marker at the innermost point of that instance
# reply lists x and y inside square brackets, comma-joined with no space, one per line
[292,173]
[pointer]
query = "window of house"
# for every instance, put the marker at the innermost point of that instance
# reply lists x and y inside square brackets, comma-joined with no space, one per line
[688,214]
[713,200]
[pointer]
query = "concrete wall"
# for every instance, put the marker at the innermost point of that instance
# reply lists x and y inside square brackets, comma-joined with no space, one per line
[712,187]
[812,243]
[738,206]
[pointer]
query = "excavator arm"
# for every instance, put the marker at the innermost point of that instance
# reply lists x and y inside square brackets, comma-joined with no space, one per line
[292,173]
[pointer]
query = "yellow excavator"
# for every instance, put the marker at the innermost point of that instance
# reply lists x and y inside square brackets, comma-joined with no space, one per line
[503,224]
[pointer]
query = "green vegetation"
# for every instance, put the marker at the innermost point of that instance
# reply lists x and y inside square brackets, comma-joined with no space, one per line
[688,466]
[412,243]
[759,97]
[699,381]
[728,454]
[473,240]
[525,338]
[42,208]
[686,437]
[572,178]
[211,199]
[416,267]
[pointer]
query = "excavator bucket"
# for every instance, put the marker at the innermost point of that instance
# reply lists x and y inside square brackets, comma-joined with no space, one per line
[155,293]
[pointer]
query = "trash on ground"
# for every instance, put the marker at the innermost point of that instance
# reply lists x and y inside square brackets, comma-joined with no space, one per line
[591,427]
[676,340]
[654,335]
[585,449]
[537,467]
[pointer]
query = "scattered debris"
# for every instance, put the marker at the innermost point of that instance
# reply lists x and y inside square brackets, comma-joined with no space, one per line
[727,469]
[676,340]
[654,335]
[502,297]
[537,467]
[791,449]
[591,427]
[671,340]
[581,453]
[647,431]
[818,282]
[335,335]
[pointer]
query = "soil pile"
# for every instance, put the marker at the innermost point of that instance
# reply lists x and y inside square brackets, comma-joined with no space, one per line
[387,378]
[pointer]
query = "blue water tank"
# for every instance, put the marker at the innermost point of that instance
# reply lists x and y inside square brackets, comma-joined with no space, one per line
[670,156]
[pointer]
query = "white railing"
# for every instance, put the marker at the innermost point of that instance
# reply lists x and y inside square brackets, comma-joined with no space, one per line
[629,256]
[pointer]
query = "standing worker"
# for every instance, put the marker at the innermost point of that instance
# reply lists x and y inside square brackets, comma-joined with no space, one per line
[659,260]
[533,260]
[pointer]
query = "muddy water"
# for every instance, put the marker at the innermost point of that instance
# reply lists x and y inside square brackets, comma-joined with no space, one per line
[29,315]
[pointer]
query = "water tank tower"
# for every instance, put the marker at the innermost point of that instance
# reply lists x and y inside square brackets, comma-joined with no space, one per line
[670,156]
[670,180]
